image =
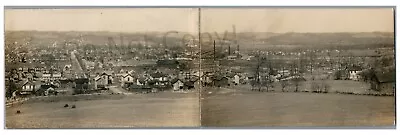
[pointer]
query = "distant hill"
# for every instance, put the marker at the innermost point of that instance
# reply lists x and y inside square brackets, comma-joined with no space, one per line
[246,40]
[330,38]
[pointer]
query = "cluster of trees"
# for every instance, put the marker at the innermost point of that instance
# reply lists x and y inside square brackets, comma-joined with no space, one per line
[12,87]
[320,87]
[264,70]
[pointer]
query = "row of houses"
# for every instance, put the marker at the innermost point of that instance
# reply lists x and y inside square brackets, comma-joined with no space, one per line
[31,87]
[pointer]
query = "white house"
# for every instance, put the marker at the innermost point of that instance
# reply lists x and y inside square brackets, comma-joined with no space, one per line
[100,82]
[178,85]
[236,79]
[50,76]
[159,76]
[127,78]
[354,73]
[28,86]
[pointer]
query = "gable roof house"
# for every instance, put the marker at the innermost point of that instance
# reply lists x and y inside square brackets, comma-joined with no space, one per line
[207,79]
[159,76]
[189,84]
[354,72]
[383,81]
[342,75]
[28,87]
[106,77]
[220,81]
[81,83]
[100,82]
[177,84]
[45,88]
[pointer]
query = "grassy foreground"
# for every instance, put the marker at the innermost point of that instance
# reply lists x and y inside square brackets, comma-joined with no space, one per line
[107,111]
[296,110]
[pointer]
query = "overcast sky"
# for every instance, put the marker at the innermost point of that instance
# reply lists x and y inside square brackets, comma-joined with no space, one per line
[212,19]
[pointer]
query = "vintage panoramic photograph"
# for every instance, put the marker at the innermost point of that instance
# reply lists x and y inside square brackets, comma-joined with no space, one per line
[200,67]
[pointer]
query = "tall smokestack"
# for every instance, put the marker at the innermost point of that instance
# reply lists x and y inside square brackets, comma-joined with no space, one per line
[214,49]
[235,38]
[229,50]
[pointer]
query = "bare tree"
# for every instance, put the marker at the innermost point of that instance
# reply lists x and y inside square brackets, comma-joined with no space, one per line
[284,84]
[266,81]
[315,87]
[326,87]
[296,75]
[257,71]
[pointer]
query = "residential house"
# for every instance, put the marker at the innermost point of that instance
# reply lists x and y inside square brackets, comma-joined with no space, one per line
[189,84]
[220,81]
[28,87]
[207,80]
[284,73]
[141,81]
[384,81]
[159,76]
[81,85]
[159,79]
[342,75]
[45,89]
[47,76]
[354,73]
[100,82]
[177,84]
[127,80]
[107,76]
[236,79]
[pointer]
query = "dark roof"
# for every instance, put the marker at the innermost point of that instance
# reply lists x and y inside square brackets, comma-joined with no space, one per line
[354,68]
[127,75]
[188,83]
[175,80]
[219,78]
[141,79]
[106,73]
[342,72]
[384,77]
[158,75]
[81,81]
[22,83]
[194,78]
[46,86]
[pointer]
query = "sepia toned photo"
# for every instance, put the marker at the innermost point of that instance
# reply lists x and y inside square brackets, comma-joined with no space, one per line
[199,67]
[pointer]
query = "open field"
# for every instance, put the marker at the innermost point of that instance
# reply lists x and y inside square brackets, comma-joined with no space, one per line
[163,109]
[255,109]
